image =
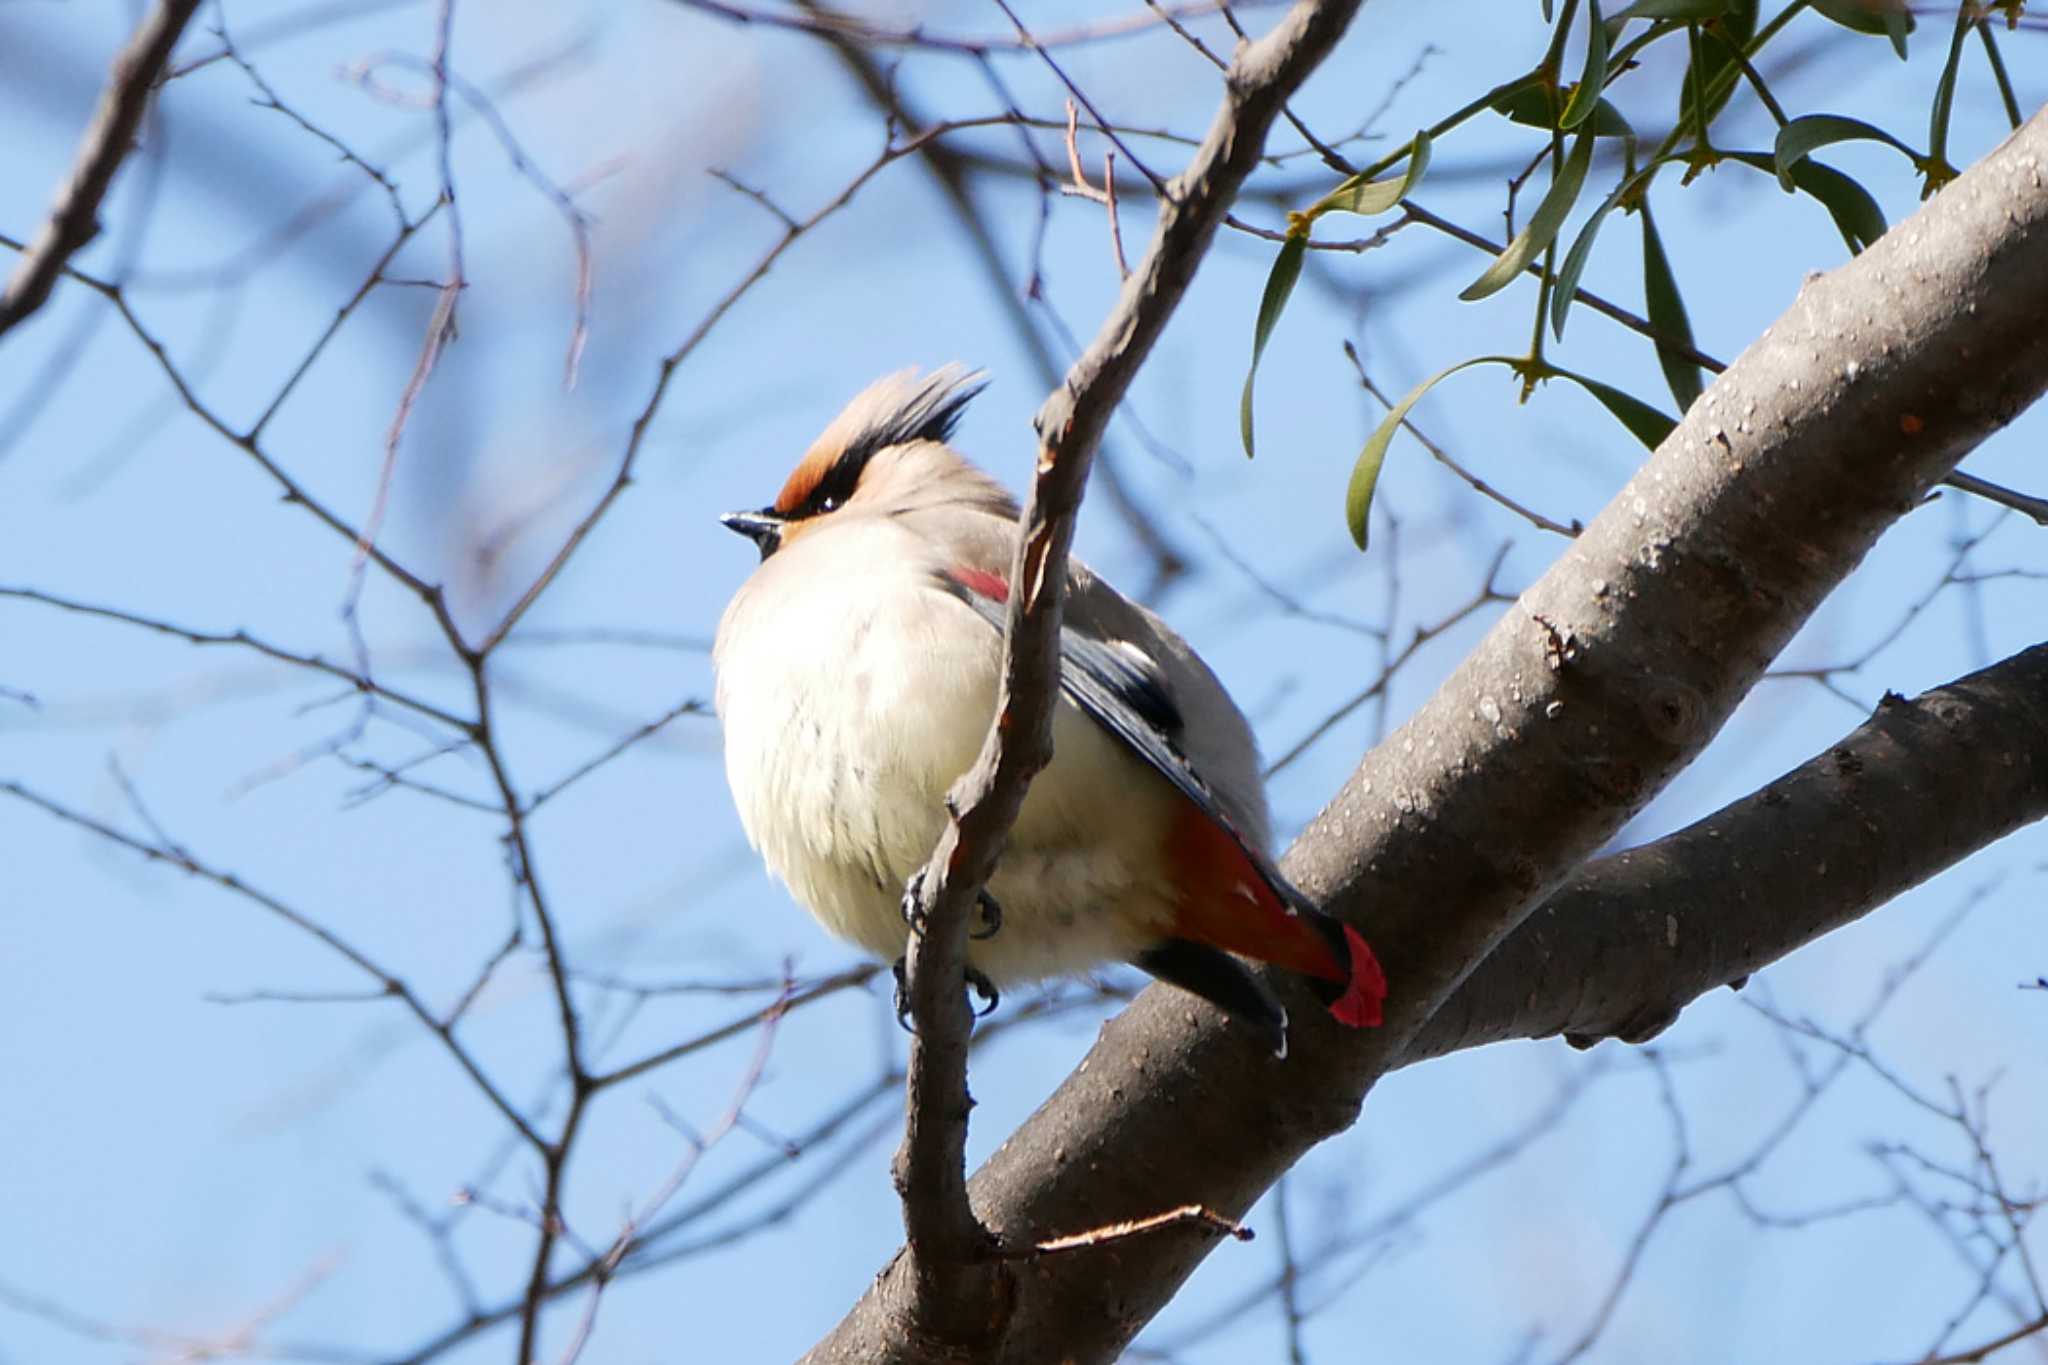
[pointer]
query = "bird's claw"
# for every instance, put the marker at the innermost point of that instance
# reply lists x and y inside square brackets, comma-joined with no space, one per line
[983,987]
[899,969]
[986,989]
[913,911]
[991,916]
[989,908]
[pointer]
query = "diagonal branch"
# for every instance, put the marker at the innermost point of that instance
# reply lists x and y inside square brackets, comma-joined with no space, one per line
[948,1293]
[1635,937]
[75,218]
[1608,677]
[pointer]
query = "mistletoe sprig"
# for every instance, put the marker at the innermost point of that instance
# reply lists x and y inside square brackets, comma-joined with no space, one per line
[1723,38]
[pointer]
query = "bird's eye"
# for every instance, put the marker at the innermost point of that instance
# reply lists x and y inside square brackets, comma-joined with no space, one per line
[829,505]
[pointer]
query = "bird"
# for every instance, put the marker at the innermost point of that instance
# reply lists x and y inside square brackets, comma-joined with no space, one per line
[857,669]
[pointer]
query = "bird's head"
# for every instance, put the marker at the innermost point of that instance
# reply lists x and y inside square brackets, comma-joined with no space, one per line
[885,454]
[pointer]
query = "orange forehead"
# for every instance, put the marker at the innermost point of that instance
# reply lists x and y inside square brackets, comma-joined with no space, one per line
[804,479]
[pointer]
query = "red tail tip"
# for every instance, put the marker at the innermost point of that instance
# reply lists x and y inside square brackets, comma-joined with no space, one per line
[1359,1006]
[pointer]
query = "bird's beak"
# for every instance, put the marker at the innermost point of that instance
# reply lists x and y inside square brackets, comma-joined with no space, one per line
[764,528]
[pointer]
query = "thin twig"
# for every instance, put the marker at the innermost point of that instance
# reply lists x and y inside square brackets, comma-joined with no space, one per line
[393,986]
[847,28]
[950,168]
[241,639]
[889,155]
[1186,1216]
[693,707]
[1487,593]
[1443,457]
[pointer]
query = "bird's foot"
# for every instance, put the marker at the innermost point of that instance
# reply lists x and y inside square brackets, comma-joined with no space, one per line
[913,911]
[988,908]
[900,999]
[986,989]
[899,969]
[991,916]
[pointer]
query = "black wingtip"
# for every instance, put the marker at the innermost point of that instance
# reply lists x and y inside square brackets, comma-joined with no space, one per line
[1221,980]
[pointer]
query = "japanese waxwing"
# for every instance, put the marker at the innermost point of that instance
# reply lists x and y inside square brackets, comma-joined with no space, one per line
[857,672]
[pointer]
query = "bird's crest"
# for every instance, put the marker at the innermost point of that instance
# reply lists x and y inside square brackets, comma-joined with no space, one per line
[895,410]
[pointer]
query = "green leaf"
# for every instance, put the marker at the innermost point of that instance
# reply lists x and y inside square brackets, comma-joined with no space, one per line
[1365,474]
[1810,132]
[1897,24]
[1542,227]
[1530,107]
[1359,195]
[1712,59]
[1644,422]
[1857,216]
[1667,315]
[1567,286]
[1672,9]
[1279,284]
[1593,78]
[1887,17]
[1856,213]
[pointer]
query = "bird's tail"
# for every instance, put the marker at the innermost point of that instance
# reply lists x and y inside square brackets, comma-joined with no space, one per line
[1356,991]
[1242,903]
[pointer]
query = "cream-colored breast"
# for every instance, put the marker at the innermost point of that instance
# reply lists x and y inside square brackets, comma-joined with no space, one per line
[853,692]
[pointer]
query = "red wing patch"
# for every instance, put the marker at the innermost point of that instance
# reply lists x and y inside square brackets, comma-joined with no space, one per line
[981,581]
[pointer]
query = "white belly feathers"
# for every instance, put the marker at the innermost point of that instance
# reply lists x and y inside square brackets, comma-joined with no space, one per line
[840,757]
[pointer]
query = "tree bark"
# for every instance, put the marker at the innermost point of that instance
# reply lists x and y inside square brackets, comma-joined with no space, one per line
[75,216]
[1635,937]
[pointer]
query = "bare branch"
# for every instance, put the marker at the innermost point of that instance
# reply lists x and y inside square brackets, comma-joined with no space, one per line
[1443,457]
[243,640]
[850,978]
[1987,1349]
[75,217]
[791,234]
[1186,1216]
[849,29]
[175,856]
[2036,509]
[695,706]
[1906,795]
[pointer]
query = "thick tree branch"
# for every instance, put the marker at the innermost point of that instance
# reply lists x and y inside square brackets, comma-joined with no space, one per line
[1635,937]
[75,217]
[1607,678]
[948,1293]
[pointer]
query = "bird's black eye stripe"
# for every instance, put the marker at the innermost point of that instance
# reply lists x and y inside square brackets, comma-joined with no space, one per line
[926,411]
[833,490]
